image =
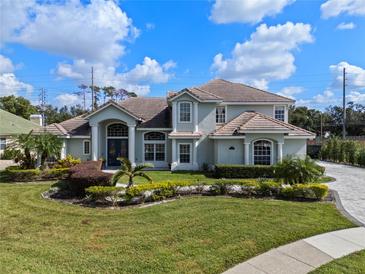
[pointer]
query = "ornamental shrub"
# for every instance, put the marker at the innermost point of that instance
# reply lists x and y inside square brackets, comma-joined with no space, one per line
[243,171]
[361,157]
[87,174]
[54,173]
[69,161]
[297,171]
[305,191]
[98,193]
[22,175]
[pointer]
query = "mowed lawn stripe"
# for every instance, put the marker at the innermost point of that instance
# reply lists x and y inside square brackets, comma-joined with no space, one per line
[189,235]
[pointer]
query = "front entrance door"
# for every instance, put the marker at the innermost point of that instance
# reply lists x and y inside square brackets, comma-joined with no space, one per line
[117,148]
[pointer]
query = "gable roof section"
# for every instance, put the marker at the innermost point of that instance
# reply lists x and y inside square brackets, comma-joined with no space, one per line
[222,90]
[118,106]
[197,93]
[151,112]
[11,124]
[251,122]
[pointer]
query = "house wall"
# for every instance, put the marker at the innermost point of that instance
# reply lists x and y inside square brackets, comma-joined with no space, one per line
[223,155]
[185,126]
[74,146]
[234,110]
[111,113]
[297,147]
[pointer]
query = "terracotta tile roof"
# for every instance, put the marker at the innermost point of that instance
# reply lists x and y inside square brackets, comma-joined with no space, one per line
[233,92]
[154,111]
[253,121]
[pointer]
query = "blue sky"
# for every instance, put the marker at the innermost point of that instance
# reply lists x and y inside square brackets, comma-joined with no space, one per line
[295,48]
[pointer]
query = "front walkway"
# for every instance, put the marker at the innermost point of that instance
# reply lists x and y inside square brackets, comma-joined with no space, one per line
[350,186]
[305,255]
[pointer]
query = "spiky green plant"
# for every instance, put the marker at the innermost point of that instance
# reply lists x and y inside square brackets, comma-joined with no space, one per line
[126,169]
[47,145]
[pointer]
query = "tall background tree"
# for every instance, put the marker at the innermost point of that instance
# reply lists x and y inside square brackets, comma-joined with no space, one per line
[18,106]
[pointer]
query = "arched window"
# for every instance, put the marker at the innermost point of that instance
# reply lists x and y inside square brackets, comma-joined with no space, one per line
[262,152]
[117,130]
[155,147]
[154,136]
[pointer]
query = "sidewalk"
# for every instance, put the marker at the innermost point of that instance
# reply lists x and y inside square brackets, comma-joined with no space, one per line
[305,255]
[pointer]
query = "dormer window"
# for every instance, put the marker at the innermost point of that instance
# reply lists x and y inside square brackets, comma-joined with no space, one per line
[280,113]
[185,112]
[220,114]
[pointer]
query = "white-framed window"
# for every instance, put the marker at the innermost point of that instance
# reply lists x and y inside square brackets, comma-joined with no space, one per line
[185,112]
[220,114]
[154,146]
[280,113]
[184,153]
[2,143]
[86,147]
[262,152]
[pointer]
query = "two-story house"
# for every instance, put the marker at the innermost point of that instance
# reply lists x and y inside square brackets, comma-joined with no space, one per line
[218,122]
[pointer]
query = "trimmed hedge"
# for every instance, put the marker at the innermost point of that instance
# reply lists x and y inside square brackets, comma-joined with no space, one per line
[160,191]
[244,171]
[87,174]
[305,191]
[14,174]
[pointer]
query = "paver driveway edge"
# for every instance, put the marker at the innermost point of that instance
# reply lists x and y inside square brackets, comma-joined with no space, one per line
[304,255]
[343,211]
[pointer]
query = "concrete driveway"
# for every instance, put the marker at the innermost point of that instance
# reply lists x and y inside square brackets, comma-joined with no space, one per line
[350,186]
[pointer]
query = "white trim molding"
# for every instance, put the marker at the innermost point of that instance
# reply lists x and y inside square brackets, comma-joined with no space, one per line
[154,129]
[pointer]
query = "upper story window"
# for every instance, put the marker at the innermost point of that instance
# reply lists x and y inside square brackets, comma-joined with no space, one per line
[280,113]
[185,112]
[220,114]
[117,130]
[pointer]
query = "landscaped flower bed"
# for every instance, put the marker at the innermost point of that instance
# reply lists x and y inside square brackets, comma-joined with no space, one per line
[15,174]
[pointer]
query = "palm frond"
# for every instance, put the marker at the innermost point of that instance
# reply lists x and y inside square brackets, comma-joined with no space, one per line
[144,175]
[116,177]
[142,166]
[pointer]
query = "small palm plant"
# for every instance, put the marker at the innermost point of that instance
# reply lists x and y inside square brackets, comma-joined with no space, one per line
[128,170]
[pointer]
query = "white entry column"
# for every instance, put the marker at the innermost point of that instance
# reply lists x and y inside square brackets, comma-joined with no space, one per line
[94,142]
[196,124]
[247,154]
[63,149]
[131,144]
[195,154]
[173,154]
[174,116]
[280,152]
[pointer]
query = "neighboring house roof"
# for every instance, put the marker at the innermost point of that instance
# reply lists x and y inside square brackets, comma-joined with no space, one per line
[248,122]
[11,124]
[232,92]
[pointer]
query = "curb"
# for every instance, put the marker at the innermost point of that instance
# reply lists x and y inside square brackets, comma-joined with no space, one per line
[343,211]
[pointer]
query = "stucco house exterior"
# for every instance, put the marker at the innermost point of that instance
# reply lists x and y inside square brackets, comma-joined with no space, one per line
[219,122]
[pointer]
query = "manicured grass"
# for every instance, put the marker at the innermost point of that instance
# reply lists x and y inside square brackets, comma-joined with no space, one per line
[190,235]
[353,263]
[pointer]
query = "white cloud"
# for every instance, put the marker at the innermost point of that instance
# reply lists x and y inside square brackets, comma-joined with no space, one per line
[345,26]
[6,65]
[290,92]
[246,11]
[355,76]
[356,97]
[93,32]
[14,16]
[9,84]
[137,79]
[68,99]
[266,56]
[333,8]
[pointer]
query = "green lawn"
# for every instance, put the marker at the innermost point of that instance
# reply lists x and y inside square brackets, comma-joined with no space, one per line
[190,235]
[353,263]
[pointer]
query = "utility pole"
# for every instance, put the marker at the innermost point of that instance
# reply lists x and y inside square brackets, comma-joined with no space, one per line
[92,89]
[42,103]
[344,103]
